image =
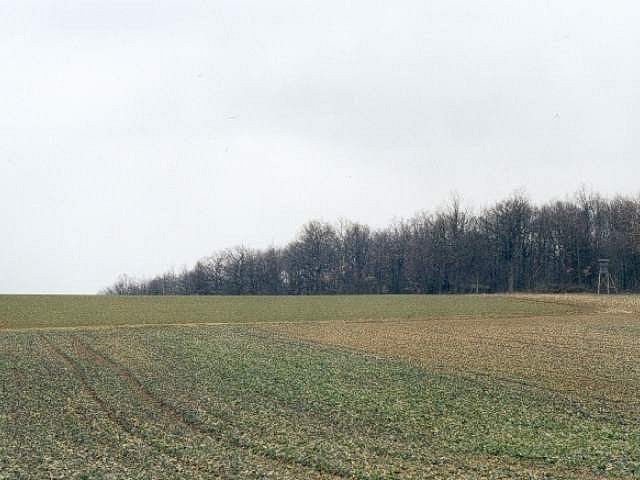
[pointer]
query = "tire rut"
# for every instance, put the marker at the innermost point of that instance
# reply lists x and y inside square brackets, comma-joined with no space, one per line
[135,384]
[111,414]
[195,426]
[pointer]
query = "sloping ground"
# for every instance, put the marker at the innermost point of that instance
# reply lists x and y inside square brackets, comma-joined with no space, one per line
[71,412]
[440,387]
[237,402]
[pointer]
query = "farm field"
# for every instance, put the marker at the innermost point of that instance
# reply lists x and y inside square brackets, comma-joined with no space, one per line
[320,387]
[43,311]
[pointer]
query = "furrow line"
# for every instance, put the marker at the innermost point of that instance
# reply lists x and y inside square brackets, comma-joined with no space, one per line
[109,412]
[196,426]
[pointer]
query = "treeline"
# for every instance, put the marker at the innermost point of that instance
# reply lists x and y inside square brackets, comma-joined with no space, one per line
[512,246]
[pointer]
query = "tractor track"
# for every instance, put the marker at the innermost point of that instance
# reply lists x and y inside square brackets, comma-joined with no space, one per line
[196,427]
[111,414]
[135,384]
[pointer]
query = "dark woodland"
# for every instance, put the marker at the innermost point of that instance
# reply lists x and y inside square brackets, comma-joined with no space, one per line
[512,246]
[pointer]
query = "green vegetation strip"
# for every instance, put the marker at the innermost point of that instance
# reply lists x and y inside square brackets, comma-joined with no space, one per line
[48,311]
[240,403]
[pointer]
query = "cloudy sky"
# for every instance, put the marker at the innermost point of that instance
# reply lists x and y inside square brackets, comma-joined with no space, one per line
[136,136]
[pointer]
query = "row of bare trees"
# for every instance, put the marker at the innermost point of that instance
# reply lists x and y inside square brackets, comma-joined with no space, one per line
[512,246]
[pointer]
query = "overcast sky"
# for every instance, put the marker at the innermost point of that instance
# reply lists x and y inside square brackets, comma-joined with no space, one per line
[136,136]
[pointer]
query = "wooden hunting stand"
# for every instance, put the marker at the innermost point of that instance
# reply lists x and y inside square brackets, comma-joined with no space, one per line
[605,276]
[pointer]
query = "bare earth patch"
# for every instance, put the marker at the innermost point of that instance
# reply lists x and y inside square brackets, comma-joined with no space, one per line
[591,358]
[625,304]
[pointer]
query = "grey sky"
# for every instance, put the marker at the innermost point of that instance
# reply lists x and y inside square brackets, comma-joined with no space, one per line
[140,135]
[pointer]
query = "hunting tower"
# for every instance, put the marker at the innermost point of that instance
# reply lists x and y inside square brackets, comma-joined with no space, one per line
[604,276]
